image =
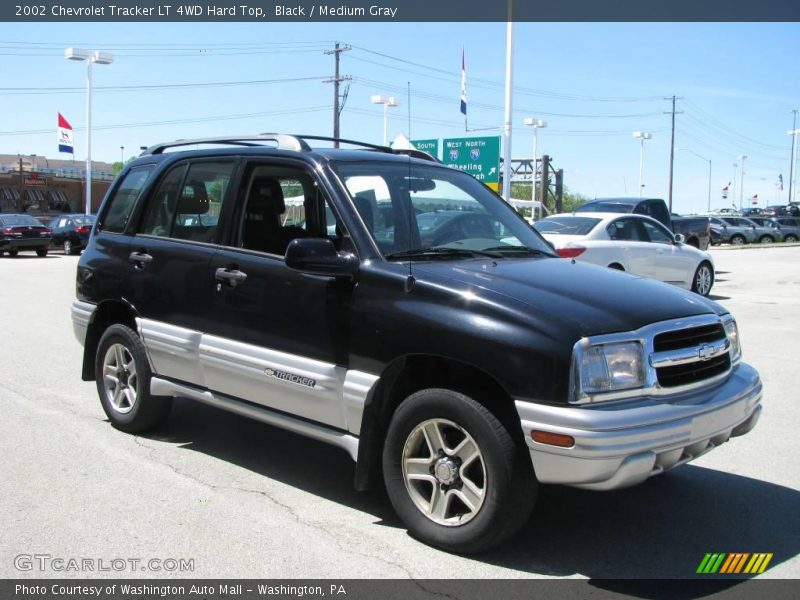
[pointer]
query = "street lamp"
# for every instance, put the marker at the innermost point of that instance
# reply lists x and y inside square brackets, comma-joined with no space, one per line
[122,155]
[641,136]
[537,125]
[709,172]
[792,170]
[91,57]
[742,158]
[387,102]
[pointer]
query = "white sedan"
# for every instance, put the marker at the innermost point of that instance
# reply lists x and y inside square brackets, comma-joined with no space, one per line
[634,243]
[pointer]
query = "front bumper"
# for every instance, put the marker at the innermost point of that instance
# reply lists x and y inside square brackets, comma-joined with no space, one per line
[623,443]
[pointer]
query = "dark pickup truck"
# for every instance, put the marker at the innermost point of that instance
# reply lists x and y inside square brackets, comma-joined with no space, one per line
[695,230]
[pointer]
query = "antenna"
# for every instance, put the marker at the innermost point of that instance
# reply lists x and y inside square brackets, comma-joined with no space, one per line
[410,279]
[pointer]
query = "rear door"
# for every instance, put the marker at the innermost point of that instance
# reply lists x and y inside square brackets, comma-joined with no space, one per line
[169,262]
[633,242]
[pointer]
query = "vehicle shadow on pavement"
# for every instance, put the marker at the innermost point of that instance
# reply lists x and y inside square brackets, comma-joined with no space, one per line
[295,460]
[717,298]
[660,529]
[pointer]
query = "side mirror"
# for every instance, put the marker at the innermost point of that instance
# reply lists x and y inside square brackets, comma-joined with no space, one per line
[680,238]
[318,256]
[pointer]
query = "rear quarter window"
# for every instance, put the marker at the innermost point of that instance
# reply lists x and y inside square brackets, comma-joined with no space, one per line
[124,199]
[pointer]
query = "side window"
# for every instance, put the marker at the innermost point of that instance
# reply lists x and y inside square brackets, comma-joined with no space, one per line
[658,211]
[626,230]
[656,233]
[124,199]
[284,203]
[160,211]
[188,202]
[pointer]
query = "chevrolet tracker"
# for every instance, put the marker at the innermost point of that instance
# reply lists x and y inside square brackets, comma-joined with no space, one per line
[400,310]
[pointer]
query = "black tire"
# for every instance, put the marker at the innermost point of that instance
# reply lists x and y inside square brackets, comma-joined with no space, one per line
[699,280]
[121,348]
[616,267]
[503,466]
[13,252]
[790,238]
[765,239]
[694,242]
[738,240]
[41,252]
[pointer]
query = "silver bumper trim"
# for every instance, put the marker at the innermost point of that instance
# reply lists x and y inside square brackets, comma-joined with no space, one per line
[622,444]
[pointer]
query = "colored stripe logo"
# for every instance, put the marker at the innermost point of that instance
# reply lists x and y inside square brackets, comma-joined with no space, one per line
[733,563]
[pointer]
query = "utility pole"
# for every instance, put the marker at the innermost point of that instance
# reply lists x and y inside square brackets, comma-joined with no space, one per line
[544,180]
[337,79]
[671,152]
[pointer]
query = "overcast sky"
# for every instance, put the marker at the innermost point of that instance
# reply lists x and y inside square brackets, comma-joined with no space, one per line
[594,83]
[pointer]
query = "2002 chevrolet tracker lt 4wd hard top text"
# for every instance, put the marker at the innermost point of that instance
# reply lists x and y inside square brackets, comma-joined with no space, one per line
[402,311]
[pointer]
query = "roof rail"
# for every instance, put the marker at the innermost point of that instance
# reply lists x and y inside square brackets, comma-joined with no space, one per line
[284,142]
[296,143]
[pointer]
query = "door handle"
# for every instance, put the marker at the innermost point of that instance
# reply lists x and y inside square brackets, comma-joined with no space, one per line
[140,259]
[232,277]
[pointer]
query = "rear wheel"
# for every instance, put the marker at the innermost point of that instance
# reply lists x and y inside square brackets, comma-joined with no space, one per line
[765,239]
[13,252]
[123,377]
[738,240]
[456,475]
[790,238]
[41,251]
[703,279]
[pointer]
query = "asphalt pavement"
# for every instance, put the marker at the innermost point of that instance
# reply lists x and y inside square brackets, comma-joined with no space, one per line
[237,498]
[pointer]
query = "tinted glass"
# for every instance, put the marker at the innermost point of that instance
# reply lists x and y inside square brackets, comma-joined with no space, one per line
[158,218]
[656,234]
[614,207]
[20,221]
[566,225]
[124,199]
[627,230]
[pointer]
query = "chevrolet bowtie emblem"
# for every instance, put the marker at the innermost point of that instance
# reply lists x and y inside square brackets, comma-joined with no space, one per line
[705,352]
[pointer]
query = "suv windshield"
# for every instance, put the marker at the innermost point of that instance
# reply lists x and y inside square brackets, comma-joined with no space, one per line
[453,214]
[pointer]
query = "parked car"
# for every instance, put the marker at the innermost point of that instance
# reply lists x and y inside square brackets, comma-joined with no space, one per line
[632,243]
[789,228]
[71,232]
[461,373]
[695,230]
[734,230]
[22,232]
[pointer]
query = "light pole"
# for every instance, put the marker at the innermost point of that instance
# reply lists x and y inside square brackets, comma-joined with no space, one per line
[537,125]
[708,160]
[387,102]
[91,57]
[742,158]
[122,155]
[641,136]
[794,132]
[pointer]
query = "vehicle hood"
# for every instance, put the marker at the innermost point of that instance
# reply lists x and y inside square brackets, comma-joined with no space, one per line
[559,293]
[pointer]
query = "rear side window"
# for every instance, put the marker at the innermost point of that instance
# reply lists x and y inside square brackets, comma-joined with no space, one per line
[124,199]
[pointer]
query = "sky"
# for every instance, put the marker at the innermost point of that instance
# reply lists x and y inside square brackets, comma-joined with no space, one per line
[594,84]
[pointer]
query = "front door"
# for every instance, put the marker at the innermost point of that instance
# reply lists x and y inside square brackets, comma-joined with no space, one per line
[279,338]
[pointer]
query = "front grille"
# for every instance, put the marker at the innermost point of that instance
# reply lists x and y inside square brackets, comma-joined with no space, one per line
[694,371]
[686,338]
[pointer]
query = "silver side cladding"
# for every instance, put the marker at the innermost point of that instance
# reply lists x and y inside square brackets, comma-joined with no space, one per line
[356,389]
[81,316]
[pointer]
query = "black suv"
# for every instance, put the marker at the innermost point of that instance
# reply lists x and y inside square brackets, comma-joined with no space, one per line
[400,310]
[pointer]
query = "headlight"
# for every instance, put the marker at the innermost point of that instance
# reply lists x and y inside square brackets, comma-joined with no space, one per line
[607,368]
[732,331]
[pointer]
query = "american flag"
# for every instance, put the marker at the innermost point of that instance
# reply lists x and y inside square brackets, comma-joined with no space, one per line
[754,199]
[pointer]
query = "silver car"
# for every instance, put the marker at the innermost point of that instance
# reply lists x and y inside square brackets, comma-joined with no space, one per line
[732,230]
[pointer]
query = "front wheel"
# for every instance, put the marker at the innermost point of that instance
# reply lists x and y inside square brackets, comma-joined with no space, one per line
[123,377]
[13,252]
[765,239]
[456,475]
[703,279]
[738,240]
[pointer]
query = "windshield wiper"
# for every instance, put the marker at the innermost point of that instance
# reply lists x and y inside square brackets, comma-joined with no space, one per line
[442,251]
[519,250]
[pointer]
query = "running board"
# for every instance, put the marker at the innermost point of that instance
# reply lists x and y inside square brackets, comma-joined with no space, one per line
[163,387]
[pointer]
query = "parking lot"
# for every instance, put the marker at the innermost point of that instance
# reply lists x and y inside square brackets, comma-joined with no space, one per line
[242,499]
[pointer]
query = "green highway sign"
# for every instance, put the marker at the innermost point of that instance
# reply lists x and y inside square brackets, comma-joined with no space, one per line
[478,156]
[429,146]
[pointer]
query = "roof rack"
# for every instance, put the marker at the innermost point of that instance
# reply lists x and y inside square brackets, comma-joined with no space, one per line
[296,143]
